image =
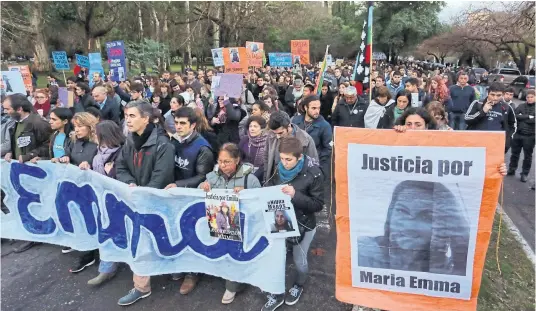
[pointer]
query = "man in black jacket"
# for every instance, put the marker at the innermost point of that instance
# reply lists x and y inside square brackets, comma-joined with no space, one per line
[29,137]
[492,114]
[193,161]
[524,137]
[109,109]
[146,160]
[350,110]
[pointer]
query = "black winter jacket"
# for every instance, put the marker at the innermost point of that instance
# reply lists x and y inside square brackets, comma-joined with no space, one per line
[204,163]
[525,124]
[34,137]
[81,150]
[151,166]
[343,114]
[309,197]
[84,102]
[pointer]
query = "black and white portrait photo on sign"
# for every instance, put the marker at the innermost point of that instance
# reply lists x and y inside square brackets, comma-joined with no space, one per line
[413,223]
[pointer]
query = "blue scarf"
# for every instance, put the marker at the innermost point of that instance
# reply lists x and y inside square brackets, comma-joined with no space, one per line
[287,175]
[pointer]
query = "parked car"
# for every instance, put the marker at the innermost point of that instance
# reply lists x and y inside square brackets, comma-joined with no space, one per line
[521,85]
[478,72]
[503,75]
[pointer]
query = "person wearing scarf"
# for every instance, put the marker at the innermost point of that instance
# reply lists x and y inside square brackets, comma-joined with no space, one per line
[376,116]
[253,144]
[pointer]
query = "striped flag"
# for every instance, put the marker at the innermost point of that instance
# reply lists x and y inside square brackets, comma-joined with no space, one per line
[363,61]
[318,86]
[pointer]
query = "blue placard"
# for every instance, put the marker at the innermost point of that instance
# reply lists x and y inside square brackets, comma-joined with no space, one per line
[82,60]
[95,65]
[60,60]
[116,59]
[280,59]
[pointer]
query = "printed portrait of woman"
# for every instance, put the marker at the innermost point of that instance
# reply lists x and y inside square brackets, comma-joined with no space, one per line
[426,230]
[281,223]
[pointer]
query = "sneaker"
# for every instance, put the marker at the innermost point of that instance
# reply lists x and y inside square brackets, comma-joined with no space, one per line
[81,266]
[293,295]
[25,246]
[188,284]
[66,250]
[511,172]
[274,302]
[132,296]
[228,297]
[101,279]
[524,178]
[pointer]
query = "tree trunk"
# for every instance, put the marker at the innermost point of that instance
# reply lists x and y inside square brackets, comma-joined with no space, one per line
[160,61]
[216,28]
[140,36]
[166,58]
[188,41]
[42,58]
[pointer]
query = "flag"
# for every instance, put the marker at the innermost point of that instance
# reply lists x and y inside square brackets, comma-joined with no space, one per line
[363,60]
[318,86]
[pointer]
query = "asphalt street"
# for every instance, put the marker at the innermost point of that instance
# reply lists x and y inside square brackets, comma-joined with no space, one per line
[519,199]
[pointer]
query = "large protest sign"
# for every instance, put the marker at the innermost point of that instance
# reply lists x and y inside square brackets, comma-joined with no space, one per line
[300,52]
[95,65]
[82,60]
[229,84]
[116,59]
[235,60]
[255,51]
[61,62]
[12,83]
[217,57]
[280,59]
[26,75]
[415,235]
[154,231]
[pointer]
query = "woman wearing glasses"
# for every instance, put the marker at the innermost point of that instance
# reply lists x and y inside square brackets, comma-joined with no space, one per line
[230,173]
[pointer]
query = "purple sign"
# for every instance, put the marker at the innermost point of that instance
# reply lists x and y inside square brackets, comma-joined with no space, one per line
[230,85]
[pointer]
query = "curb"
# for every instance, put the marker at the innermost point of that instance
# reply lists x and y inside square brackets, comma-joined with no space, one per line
[517,235]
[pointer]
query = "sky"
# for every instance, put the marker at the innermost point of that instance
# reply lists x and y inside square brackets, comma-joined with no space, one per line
[454,8]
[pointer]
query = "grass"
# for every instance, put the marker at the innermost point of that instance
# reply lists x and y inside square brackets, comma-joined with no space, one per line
[513,290]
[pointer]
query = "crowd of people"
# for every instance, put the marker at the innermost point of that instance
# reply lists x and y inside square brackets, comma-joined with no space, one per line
[171,131]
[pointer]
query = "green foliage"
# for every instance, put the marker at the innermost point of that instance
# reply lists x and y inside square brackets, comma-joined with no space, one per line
[147,52]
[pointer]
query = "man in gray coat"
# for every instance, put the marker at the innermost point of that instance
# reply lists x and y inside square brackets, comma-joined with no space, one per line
[280,126]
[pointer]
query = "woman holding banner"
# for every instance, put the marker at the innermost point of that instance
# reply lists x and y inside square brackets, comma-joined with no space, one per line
[303,180]
[230,173]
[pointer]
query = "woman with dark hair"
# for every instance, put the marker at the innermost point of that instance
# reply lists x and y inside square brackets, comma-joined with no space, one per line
[204,129]
[415,119]
[402,100]
[259,108]
[281,222]
[379,113]
[272,102]
[326,101]
[175,104]
[165,95]
[253,144]
[111,139]
[60,122]
[304,183]
[230,173]
[226,115]
[85,100]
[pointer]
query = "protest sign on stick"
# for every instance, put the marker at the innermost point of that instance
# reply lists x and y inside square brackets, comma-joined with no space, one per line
[255,52]
[300,52]
[235,60]
[217,57]
[229,84]
[82,60]
[26,75]
[415,235]
[12,83]
[280,59]
[61,62]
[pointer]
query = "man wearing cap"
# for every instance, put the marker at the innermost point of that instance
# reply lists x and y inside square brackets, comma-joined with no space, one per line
[350,110]
[293,95]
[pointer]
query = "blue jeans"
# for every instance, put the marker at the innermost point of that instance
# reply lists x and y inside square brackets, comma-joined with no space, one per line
[107,266]
[457,120]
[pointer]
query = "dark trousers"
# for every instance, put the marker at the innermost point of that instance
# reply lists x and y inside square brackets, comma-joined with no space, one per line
[457,121]
[527,144]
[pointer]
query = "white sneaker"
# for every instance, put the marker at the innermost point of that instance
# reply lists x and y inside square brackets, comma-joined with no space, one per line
[228,297]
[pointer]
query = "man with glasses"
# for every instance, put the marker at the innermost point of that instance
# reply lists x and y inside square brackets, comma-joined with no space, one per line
[350,111]
[492,114]
[280,126]
[193,161]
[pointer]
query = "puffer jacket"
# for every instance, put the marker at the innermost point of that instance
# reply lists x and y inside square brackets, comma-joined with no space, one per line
[151,166]
[218,180]
[309,196]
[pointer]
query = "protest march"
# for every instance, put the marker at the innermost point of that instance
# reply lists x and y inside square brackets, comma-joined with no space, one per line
[237,178]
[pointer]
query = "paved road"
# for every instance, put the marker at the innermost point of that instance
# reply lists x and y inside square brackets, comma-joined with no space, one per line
[519,200]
